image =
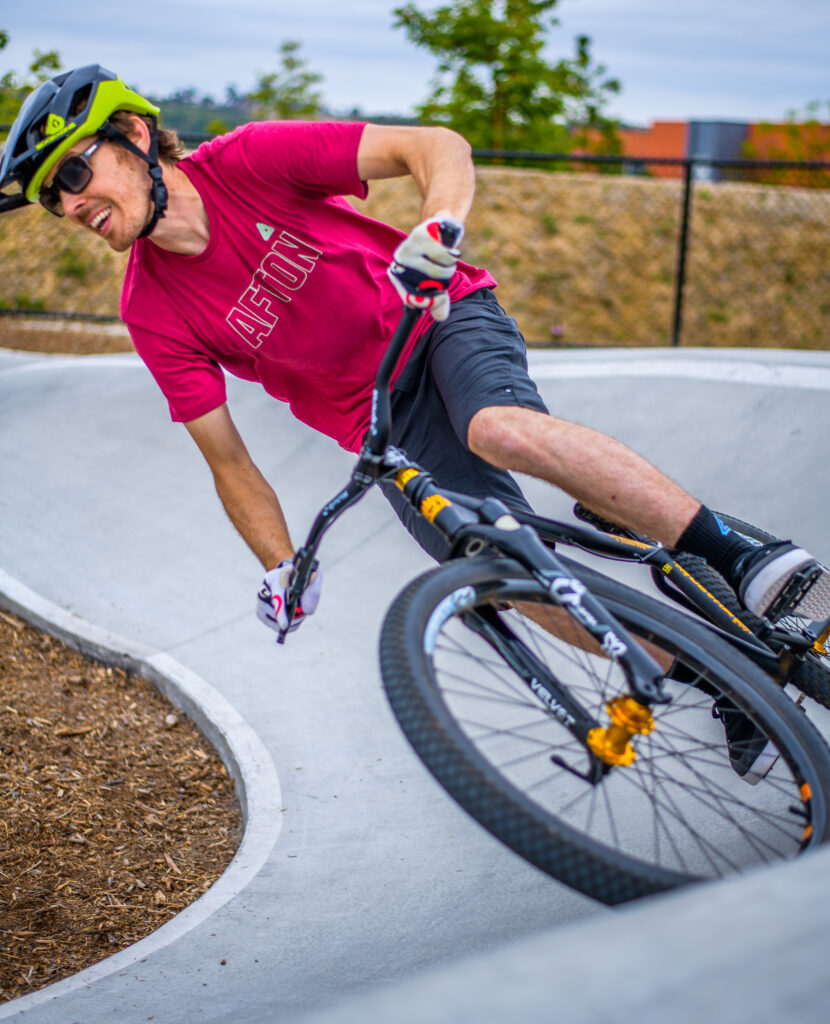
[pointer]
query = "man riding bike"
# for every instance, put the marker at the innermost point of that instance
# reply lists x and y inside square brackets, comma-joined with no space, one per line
[246,257]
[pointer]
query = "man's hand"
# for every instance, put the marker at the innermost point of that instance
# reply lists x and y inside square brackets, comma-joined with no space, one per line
[424,264]
[271,598]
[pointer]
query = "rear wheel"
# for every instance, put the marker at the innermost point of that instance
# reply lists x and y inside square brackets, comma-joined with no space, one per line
[679,813]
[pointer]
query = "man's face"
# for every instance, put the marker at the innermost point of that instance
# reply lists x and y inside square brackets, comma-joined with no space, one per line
[116,202]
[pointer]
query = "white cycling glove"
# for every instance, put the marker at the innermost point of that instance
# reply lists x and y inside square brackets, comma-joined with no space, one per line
[270,606]
[424,264]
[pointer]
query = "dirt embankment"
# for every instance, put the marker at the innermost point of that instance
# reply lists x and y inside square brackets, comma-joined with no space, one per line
[581,259]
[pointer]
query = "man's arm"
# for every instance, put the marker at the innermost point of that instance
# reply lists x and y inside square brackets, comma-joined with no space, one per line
[249,500]
[438,159]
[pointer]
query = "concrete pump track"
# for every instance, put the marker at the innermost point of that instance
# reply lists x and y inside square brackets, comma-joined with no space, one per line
[360,891]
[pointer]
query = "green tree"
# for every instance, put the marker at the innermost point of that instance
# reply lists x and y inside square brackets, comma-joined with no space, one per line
[287,93]
[803,136]
[14,88]
[493,83]
[217,126]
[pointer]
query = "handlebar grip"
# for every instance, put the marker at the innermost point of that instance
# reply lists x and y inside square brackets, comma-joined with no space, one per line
[302,573]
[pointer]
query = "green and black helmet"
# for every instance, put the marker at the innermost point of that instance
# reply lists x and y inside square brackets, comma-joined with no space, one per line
[72,106]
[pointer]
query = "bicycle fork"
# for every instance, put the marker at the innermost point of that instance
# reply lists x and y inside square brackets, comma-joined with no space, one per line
[609,746]
[629,714]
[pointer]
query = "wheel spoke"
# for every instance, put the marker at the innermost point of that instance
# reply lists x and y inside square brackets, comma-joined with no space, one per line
[527,742]
[679,810]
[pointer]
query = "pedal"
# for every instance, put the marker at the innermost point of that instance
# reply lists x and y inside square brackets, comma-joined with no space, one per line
[819,633]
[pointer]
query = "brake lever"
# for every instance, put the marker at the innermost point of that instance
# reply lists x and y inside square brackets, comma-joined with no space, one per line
[304,568]
[451,232]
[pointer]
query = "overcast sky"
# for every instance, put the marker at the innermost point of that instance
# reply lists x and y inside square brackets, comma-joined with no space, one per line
[742,60]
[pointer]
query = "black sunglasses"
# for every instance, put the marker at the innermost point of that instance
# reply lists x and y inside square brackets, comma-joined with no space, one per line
[74,174]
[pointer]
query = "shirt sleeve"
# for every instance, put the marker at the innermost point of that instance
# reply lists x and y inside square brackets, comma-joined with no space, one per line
[313,158]
[192,383]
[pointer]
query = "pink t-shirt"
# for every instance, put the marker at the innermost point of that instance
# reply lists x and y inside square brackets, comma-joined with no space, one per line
[291,290]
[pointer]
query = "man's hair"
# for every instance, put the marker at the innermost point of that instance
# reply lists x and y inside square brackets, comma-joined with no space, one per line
[171,147]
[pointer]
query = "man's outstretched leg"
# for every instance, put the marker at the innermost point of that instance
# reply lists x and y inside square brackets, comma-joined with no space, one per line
[621,486]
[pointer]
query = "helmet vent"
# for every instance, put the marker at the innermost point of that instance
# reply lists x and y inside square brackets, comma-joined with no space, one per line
[81,99]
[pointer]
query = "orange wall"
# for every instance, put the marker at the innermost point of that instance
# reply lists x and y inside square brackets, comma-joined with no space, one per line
[662,138]
[669,139]
[776,142]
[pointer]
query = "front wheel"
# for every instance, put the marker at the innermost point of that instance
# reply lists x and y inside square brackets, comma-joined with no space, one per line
[511,757]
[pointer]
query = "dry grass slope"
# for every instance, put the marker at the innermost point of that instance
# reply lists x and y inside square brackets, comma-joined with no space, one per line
[587,259]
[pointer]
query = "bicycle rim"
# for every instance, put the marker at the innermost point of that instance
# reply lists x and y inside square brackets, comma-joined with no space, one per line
[678,814]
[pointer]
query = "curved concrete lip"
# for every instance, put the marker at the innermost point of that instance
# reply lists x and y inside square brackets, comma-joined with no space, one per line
[245,757]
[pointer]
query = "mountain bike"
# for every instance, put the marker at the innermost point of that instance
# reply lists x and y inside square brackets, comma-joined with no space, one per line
[599,732]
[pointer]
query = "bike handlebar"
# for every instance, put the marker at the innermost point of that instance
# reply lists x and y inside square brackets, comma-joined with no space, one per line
[377,436]
[374,443]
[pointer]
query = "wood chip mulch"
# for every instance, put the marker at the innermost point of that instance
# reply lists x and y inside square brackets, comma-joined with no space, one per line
[115,813]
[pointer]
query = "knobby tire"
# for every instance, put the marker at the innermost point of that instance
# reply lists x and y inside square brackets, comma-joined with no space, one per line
[679,814]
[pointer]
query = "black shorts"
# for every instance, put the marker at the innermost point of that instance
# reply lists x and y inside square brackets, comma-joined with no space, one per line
[476,358]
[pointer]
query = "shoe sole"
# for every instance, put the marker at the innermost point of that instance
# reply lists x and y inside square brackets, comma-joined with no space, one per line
[812,600]
[762,764]
[815,604]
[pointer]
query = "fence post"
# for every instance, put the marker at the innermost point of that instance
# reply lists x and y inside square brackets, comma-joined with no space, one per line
[680,276]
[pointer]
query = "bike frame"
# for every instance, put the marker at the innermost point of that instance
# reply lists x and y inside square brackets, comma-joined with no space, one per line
[683,588]
[471,525]
[474,525]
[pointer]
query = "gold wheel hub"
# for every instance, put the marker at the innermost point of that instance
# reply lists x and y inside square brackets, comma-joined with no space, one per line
[613,744]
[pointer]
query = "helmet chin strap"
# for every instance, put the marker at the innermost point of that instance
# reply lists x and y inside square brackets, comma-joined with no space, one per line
[158,190]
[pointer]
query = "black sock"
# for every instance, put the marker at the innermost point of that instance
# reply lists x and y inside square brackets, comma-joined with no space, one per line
[707,537]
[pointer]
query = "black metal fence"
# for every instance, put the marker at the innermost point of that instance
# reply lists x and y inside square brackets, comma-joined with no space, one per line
[662,251]
[587,250]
